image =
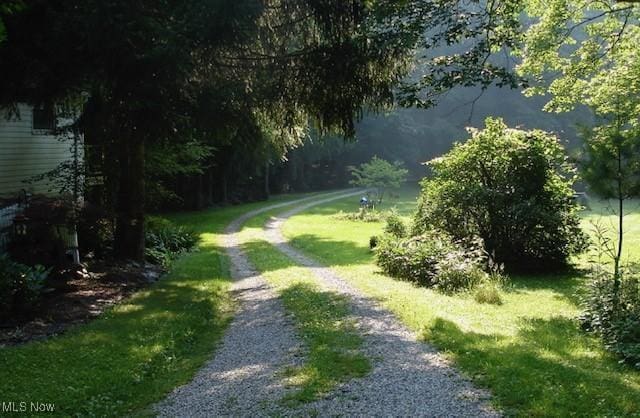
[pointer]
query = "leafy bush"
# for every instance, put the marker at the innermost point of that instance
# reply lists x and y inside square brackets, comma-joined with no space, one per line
[413,259]
[395,226]
[430,260]
[165,241]
[458,270]
[373,242]
[21,286]
[614,314]
[510,188]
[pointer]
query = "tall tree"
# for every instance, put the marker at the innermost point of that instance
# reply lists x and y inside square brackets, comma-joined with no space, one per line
[152,66]
[611,167]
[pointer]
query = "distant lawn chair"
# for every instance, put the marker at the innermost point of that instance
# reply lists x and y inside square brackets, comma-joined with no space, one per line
[366,202]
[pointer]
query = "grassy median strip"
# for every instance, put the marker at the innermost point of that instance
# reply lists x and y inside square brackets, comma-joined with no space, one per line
[139,350]
[332,343]
[529,351]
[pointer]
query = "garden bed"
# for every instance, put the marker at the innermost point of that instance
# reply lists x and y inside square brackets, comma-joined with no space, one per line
[78,300]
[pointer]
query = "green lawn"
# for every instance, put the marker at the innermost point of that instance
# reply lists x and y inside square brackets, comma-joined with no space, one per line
[528,351]
[138,351]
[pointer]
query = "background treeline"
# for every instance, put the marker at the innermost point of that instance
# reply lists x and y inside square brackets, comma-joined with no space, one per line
[411,136]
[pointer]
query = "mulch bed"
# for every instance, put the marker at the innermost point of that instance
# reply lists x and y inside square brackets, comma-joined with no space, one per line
[78,299]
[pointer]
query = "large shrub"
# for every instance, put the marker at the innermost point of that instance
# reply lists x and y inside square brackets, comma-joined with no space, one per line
[510,188]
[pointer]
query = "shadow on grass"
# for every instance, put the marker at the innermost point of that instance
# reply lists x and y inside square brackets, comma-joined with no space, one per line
[568,285]
[133,354]
[549,369]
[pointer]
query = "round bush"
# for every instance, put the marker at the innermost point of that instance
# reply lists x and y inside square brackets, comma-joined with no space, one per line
[395,226]
[510,188]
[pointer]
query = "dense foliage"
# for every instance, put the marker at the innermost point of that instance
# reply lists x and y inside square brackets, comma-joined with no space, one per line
[431,260]
[614,314]
[395,225]
[165,240]
[510,188]
[246,78]
[590,48]
[21,287]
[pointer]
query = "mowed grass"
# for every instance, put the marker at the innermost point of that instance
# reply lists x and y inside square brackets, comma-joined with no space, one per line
[529,351]
[332,345]
[138,351]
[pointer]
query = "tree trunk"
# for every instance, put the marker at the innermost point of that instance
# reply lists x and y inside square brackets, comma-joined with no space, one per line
[618,257]
[225,186]
[129,234]
[266,179]
[209,190]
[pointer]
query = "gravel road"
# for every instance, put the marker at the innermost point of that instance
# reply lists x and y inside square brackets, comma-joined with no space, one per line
[243,378]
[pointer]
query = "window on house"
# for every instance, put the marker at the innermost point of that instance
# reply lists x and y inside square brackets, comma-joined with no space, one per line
[44,118]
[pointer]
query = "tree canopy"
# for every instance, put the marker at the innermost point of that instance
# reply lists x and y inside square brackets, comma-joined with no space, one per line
[246,77]
[584,53]
[379,174]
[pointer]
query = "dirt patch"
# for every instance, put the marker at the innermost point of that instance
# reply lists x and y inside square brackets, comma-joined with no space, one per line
[79,298]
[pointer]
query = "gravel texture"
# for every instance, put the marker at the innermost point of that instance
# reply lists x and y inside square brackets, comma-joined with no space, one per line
[244,378]
[409,378]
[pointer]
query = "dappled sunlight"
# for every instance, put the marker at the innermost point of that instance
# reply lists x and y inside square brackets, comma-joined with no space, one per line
[330,337]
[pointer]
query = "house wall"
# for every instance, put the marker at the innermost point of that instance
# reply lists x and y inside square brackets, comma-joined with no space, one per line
[25,153]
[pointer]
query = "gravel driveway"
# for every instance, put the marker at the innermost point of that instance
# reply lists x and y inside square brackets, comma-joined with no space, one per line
[409,378]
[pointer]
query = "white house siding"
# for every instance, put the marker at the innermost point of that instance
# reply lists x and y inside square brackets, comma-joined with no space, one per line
[25,153]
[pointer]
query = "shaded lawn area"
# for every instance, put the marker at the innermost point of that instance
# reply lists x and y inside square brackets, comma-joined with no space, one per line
[529,351]
[139,350]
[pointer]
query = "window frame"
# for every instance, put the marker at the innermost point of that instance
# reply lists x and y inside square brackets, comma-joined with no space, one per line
[40,130]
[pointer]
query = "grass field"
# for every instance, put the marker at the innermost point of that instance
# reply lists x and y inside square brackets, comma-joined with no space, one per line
[528,351]
[136,352]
